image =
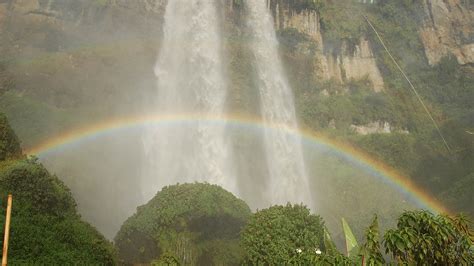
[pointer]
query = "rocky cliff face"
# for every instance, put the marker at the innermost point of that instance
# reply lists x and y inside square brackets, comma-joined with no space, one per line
[348,63]
[448,30]
[306,21]
[78,20]
[377,127]
[82,11]
[352,64]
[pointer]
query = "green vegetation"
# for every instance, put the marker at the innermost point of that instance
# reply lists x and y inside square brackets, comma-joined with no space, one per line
[45,227]
[300,5]
[370,251]
[9,144]
[201,224]
[291,235]
[194,223]
[47,91]
[277,235]
[422,238]
[288,234]
[28,116]
[7,81]
[417,150]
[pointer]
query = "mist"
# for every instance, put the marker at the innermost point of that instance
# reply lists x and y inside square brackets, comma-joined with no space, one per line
[80,63]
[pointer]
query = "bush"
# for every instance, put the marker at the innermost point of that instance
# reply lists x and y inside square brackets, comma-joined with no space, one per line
[194,223]
[422,238]
[370,251]
[45,227]
[282,234]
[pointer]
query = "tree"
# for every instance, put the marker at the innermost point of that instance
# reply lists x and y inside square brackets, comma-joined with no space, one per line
[194,223]
[370,251]
[283,234]
[422,238]
[45,226]
[166,260]
[9,143]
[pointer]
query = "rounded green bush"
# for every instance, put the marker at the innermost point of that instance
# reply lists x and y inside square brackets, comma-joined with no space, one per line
[45,227]
[194,223]
[282,234]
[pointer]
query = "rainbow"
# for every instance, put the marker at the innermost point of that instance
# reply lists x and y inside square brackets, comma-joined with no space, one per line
[348,152]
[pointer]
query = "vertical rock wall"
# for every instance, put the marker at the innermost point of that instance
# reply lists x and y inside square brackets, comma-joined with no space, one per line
[349,63]
[448,30]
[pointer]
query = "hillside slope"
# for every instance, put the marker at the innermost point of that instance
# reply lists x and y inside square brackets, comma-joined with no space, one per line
[45,226]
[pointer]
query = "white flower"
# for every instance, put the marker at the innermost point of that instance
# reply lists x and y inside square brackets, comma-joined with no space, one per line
[298,250]
[318,251]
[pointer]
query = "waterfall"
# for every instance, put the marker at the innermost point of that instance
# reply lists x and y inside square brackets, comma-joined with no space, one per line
[191,81]
[287,181]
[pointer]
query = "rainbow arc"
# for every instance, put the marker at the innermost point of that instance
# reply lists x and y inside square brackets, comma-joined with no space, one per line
[348,152]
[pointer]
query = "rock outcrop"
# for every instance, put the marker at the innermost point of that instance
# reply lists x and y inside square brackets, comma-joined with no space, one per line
[305,21]
[349,63]
[377,127]
[448,29]
[353,64]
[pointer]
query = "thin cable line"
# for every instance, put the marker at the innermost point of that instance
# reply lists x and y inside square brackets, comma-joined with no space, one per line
[411,84]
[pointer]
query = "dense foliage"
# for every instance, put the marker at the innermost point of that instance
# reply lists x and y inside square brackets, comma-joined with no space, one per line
[423,238]
[181,222]
[194,223]
[45,227]
[370,251]
[414,148]
[9,143]
[291,235]
[283,234]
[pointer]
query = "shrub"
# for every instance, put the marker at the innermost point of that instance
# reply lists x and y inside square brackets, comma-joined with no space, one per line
[282,234]
[422,238]
[45,227]
[194,223]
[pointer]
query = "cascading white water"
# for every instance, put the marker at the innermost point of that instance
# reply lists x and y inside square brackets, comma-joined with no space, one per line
[288,181]
[190,83]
